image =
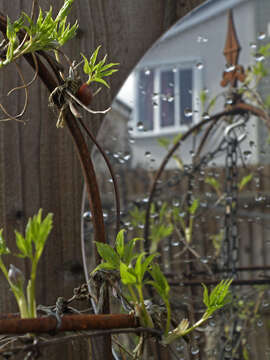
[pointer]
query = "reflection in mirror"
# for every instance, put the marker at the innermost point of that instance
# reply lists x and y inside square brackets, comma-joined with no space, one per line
[188,138]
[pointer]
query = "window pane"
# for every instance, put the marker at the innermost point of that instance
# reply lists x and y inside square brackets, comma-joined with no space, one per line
[185,82]
[145,94]
[167,99]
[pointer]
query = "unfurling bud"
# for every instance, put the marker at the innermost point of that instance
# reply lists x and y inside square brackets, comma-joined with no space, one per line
[16,276]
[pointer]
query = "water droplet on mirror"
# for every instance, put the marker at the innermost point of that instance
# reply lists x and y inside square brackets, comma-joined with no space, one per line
[126,156]
[179,348]
[259,57]
[228,347]
[260,323]
[199,66]
[229,101]
[261,36]
[229,68]
[147,72]
[175,243]
[202,39]
[87,216]
[195,350]
[140,126]
[147,154]
[188,112]
[253,45]
[131,140]
[205,116]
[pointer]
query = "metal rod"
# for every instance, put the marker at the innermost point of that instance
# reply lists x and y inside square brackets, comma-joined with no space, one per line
[14,325]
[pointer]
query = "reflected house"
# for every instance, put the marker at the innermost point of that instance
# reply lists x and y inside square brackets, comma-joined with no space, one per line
[186,60]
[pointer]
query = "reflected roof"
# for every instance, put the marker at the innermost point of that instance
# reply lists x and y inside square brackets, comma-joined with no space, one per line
[200,14]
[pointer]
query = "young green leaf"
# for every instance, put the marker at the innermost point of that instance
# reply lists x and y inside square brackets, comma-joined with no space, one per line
[119,243]
[194,206]
[24,246]
[160,282]
[164,142]
[127,275]
[104,266]
[203,97]
[63,12]
[218,297]
[37,231]
[213,182]
[4,250]
[244,181]
[107,253]
[177,138]
[129,253]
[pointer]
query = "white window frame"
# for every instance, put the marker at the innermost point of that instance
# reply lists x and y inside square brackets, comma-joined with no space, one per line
[197,81]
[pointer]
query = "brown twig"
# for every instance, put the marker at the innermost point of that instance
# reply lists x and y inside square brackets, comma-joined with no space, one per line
[105,157]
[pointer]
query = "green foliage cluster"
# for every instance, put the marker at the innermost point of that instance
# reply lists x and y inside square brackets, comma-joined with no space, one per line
[46,33]
[97,71]
[30,246]
[137,270]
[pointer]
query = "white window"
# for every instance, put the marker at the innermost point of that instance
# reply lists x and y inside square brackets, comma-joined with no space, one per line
[167,99]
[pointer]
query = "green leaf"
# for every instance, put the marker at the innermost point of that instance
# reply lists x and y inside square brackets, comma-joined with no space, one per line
[205,296]
[219,296]
[127,277]
[104,266]
[129,254]
[107,66]
[101,81]
[203,97]
[212,103]
[93,57]
[147,263]
[10,30]
[160,282]
[194,206]
[244,181]
[163,211]
[119,243]
[37,231]
[86,66]
[107,253]
[264,50]
[4,250]
[259,70]
[24,247]
[138,267]
[213,182]
[164,142]
[177,138]
[64,10]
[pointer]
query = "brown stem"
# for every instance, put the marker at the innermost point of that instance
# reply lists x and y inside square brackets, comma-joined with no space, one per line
[116,191]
